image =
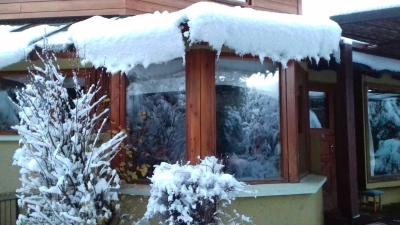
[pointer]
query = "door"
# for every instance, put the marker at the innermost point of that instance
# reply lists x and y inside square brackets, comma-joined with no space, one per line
[322,140]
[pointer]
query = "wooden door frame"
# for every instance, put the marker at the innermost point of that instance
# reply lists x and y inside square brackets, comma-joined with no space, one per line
[329,90]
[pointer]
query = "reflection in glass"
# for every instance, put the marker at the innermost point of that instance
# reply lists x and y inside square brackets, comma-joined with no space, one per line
[155,117]
[318,109]
[8,109]
[248,135]
[384,133]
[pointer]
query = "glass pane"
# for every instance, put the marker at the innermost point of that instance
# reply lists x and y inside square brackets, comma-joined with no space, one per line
[384,133]
[155,117]
[248,137]
[8,110]
[318,109]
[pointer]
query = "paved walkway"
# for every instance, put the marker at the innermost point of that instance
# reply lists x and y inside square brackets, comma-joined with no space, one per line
[389,216]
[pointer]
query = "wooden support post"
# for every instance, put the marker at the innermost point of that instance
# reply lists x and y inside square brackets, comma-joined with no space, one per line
[346,137]
[292,123]
[117,110]
[360,120]
[200,104]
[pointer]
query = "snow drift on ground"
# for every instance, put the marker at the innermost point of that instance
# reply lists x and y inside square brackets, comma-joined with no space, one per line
[122,43]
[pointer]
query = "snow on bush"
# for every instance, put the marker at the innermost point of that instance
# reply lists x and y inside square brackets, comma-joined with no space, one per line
[65,170]
[195,195]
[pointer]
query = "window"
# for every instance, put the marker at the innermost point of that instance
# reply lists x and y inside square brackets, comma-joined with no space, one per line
[8,111]
[9,85]
[383,134]
[248,118]
[155,111]
[319,116]
[230,107]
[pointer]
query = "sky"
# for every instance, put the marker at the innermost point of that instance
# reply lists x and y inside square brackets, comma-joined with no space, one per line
[326,8]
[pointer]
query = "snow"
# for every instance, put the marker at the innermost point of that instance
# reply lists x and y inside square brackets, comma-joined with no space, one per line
[388,156]
[327,8]
[179,191]
[16,45]
[377,62]
[119,44]
[384,133]
[247,95]
[280,37]
[314,121]
[8,111]
[66,175]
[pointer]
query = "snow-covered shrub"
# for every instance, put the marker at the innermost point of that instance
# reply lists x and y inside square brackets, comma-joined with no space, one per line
[183,194]
[65,168]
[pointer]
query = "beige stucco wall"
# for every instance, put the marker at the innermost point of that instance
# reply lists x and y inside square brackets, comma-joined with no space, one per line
[8,173]
[278,210]
[391,195]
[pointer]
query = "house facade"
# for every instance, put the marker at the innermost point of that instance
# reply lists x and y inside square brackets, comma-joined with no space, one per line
[301,133]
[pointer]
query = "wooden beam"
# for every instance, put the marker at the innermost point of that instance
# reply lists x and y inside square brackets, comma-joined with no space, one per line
[200,104]
[208,105]
[193,104]
[115,112]
[283,125]
[292,123]
[346,137]
[360,119]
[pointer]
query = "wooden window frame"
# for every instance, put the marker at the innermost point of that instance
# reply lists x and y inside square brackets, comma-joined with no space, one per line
[247,3]
[200,65]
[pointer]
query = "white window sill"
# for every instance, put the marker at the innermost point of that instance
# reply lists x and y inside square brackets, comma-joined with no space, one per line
[13,137]
[310,184]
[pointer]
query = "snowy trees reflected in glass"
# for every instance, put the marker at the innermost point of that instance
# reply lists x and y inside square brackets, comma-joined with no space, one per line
[248,131]
[318,109]
[155,117]
[8,109]
[384,133]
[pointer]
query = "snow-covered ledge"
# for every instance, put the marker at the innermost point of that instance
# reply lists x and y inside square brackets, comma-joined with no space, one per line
[11,137]
[310,184]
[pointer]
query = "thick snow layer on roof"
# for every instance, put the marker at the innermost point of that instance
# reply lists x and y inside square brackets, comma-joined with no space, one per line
[57,42]
[278,36]
[156,38]
[121,44]
[377,62]
[16,45]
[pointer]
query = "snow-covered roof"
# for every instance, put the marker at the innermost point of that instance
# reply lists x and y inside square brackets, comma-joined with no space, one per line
[377,63]
[365,6]
[16,45]
[327,8]
[119,44]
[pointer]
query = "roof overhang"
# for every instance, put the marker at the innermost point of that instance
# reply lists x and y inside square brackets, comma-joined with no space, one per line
[379,28]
